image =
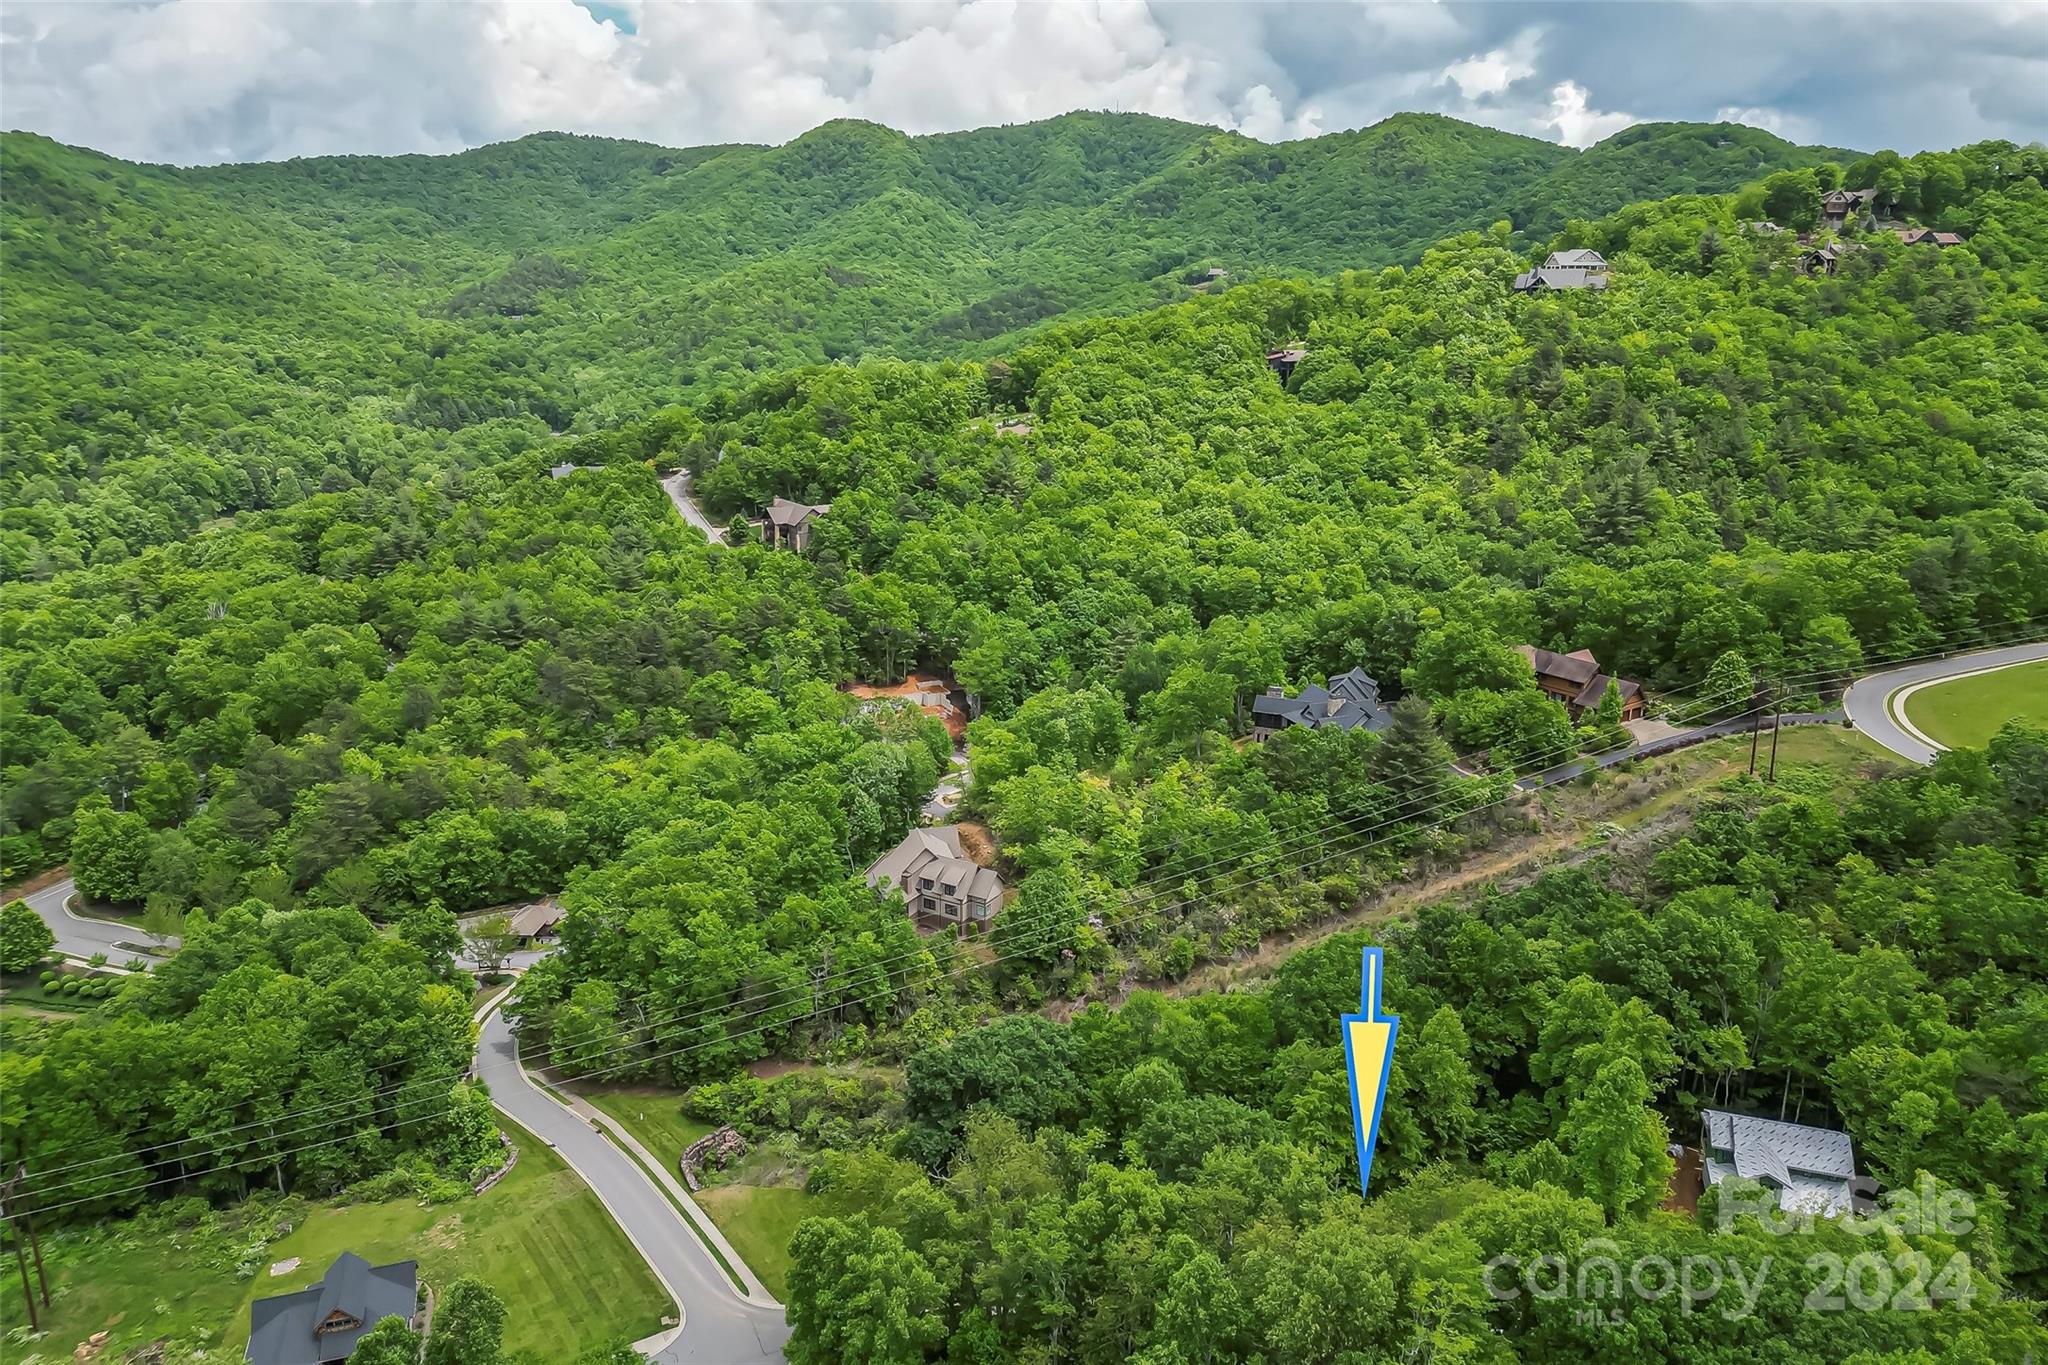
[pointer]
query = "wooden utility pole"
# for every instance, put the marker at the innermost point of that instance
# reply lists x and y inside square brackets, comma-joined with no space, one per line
[1756,723]
[9,1193]
[1776,714]
[35,1245]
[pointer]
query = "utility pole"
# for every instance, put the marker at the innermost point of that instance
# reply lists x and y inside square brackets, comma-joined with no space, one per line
[35,1246]
[1776,713]
[8,1194]
[1756,722]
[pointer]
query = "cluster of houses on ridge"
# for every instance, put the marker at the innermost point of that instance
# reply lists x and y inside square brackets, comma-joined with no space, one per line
[945,885]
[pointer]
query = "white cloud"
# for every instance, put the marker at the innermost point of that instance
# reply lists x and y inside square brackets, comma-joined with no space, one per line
[1491,73]
[193,80]
[1791,127]
[1577,123]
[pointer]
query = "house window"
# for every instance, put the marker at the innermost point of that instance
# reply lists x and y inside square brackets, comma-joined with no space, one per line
[929,905]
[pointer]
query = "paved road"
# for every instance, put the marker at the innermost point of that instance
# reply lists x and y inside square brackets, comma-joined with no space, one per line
[1868,701]
[719,1327]
[82,937]
[677,486]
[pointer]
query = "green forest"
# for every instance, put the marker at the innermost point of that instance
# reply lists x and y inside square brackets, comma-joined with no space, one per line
[307,653]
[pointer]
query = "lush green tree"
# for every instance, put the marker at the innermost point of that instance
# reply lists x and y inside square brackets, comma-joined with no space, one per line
[469,1326]
[24,939]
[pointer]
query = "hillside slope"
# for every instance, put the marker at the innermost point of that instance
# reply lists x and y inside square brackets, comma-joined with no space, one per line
[254,331]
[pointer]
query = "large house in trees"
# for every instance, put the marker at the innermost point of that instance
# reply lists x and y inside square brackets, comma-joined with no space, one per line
[1810,1169]
[1576,269]
[944,888]
[1928,237]
[1350,702]
[788,525]
[1576,680]
[322,1323]
[1838,206]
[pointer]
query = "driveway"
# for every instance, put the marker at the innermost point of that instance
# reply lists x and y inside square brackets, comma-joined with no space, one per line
[677,486]
[82,936]
[1869,701]
[719,1327]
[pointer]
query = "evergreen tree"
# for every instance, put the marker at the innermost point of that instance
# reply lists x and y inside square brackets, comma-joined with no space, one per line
[1412,758]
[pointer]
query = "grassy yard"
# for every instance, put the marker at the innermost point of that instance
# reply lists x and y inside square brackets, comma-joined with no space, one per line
[1825,758]
[758,1221]
[755,1205]
[653,1115]
[568,1276]
[1966,713]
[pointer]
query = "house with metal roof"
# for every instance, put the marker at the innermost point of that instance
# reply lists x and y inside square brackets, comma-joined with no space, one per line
[1283,361]
[1579,268]
[1810,1168]
[941,885]
[1350,702]
[323,1322]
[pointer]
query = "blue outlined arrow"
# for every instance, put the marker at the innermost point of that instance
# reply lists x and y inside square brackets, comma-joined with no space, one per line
[1369,1058]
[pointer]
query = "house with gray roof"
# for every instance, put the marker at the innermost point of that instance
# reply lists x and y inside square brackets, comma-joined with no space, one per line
[788,525]
[323,1322]
[1810,1168]
[942,886]
[1350,702]
[1576,269]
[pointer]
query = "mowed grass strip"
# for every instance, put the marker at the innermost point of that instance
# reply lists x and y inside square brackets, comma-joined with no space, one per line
[759,1219]
[1966,713]
[653,1115]
[756,1219]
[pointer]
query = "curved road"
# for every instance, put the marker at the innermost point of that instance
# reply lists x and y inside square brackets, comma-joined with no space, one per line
[79,936]
[1868,701]
[719,1327]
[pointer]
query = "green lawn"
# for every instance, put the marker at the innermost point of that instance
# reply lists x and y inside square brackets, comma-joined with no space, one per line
[1966,713]
[654,1116]
[757,1218]
[758,1221]
[568,1276]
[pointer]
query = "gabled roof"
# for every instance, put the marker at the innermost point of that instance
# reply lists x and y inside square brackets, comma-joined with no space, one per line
[1578,668]
[783,512]
[1579,258]
[1810,1167]
[1595,690]
[935,854]
[284,1329]
[1560,277]
[1350,702]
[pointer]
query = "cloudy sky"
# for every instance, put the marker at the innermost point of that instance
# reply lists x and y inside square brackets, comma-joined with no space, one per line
[201,80]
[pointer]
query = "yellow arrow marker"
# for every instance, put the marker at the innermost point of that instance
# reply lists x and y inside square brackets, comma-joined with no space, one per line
[1369,1058]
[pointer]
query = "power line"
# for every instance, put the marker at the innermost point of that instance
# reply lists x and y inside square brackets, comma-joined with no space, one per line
[1019,947]
[785,998]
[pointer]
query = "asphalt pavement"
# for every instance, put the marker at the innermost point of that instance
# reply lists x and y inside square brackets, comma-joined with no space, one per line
[719,1327]
[1868,701]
